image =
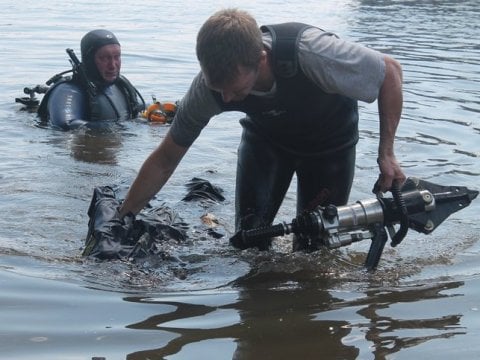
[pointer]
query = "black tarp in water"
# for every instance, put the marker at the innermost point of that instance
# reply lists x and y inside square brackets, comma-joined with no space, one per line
[110,237]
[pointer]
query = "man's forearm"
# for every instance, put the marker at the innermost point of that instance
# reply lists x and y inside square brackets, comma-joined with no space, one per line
[390,102]
[153,175]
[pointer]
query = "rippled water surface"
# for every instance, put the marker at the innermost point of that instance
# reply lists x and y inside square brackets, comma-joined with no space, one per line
[205,300]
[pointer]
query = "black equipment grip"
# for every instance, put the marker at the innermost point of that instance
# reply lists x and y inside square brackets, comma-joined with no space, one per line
[39,89]
[247,238]
[79,70]
[404,221]
[265,232]
[376,248]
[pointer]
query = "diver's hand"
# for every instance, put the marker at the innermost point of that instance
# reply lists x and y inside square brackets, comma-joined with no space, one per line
[390,172]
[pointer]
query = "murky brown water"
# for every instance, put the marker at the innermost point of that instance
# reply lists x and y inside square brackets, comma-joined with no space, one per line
[213,302]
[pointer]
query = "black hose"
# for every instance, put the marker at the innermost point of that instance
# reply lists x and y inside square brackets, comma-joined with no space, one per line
[404,221]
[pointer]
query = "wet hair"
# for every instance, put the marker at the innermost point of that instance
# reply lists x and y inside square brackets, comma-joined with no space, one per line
[228,39]
[90,43]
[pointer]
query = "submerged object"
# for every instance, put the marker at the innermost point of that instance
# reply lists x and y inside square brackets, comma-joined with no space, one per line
[202,189]
[112,237]
[419,205]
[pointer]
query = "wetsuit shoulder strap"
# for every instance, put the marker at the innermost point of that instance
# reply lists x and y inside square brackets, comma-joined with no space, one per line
[285,38]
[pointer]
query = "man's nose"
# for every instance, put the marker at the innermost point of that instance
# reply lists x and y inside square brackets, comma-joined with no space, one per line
[112,63]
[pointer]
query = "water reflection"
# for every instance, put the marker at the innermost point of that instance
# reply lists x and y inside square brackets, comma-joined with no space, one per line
[259,327]
[391,327]
[282,316]
[95,145]
[277,310]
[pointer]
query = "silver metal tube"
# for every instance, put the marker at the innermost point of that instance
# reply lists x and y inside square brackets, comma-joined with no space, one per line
[360,214]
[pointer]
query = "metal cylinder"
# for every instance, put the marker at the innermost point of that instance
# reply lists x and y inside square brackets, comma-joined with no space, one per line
[361,213]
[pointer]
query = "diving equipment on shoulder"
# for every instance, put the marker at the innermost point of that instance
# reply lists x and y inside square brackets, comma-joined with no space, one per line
[31,102]
[79,72]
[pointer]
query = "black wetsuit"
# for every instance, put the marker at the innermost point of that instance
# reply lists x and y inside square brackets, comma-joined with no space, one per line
[72,106]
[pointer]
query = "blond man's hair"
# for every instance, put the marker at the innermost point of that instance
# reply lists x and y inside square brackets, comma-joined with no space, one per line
[228,39]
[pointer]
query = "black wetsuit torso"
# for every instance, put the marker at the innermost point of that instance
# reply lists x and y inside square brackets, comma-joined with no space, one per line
[74,106]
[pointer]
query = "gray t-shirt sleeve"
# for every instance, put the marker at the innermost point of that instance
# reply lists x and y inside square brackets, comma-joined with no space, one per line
[194,112]
[341,67]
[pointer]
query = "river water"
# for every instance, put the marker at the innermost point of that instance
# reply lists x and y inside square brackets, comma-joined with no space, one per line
[203,299]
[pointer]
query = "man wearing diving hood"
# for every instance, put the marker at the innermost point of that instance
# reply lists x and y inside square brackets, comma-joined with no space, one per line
[96,91]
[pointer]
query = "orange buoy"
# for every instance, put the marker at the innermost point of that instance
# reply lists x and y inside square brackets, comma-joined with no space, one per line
[157,116]
[160,113]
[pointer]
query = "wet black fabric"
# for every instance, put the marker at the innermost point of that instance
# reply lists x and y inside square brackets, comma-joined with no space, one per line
[110,237]
[199,189]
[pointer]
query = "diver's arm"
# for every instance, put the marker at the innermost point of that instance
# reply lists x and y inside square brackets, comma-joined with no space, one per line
[390,102]
[67,106]
[154,173]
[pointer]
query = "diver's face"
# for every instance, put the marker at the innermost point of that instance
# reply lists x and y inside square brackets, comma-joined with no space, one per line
[238,89]
[108,61]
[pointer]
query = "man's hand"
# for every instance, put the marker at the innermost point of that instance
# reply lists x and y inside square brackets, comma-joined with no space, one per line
[390,172]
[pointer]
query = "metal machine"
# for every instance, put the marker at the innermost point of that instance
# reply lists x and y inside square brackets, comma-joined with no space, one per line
[418,205]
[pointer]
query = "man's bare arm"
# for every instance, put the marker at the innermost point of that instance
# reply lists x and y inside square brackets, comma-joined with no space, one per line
[154,173]
[390,102]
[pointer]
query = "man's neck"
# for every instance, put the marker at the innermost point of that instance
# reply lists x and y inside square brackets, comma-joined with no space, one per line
[265,79]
